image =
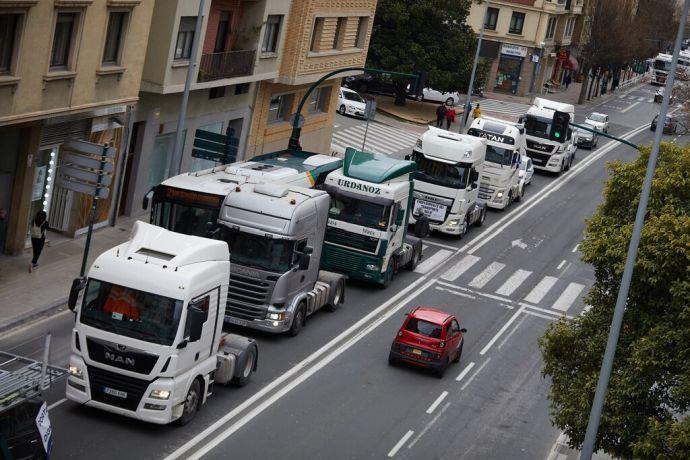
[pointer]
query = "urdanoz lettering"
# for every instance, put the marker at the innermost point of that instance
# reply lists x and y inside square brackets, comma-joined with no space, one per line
[361,187]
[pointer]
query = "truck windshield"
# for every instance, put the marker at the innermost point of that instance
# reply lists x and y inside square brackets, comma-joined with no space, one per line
[444,174]
[249,250]
[537,126]
[130,312]
[185,211]
[498,155]
[359,212]
[662,65]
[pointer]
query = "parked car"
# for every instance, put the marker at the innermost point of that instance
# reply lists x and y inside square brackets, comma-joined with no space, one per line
[351,103]
[429,94]
[368,84]
[659,96]
[429,338]
[599,120]
[587,139]
[526,169]
[670,124]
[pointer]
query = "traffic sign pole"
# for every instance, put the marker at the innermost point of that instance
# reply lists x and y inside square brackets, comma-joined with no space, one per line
[92,218]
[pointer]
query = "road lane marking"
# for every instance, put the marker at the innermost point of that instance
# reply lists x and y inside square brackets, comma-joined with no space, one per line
[561,264]
[445,246]
[554,314]
[500,225]
[575,248]
[464,372]
[438,401]
[500,332]
[632,105]
[400,443]
[514,282]
[568,296]
[512,331]
[459,268]
[433,261]
[483,294]
[56,403]
[428,425]
[486,275]
[641,98]
[461,294]
[537,293]
[539,315]
[462,388]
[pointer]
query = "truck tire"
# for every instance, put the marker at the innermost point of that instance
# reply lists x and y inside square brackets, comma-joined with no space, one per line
[518,196]
[248,367]
[387,278]
[191,403]
[482,218]
[463,232]
[298,320]
[416,257]
[337,297]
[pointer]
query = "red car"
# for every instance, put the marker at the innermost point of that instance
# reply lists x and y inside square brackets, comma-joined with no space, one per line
[428,338]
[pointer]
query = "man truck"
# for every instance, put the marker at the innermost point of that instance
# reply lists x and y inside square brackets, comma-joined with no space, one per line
[366,234]
[446,183]
[554,156]
[500,183]
[147,342]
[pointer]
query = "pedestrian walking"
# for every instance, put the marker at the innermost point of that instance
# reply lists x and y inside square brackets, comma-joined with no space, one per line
[3,229]
[440,115]
[477,112]
[38,237]
[450,116]
[568,81]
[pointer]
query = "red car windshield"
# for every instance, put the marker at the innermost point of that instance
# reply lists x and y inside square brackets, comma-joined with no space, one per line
[419,326]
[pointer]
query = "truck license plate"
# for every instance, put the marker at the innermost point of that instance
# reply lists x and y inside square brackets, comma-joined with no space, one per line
[416,351]
[433,211]
[114,392]
[239,322]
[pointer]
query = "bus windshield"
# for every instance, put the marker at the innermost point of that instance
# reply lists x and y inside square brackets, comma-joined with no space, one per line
[537,126]
[444,174]
[185,211]
[662,65]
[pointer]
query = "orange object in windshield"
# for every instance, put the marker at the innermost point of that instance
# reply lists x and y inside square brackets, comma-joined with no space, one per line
[122,301]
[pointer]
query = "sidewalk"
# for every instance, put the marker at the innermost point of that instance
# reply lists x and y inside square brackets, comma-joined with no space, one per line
[28,295]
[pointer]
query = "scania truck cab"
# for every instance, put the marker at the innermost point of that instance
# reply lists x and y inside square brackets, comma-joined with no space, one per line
[553,156]
[147,342]
[275,234]
[366,235]
[446,183]
[499,183]
[186,203]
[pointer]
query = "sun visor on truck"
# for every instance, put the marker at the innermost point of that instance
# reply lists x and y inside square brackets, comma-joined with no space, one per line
[335,191]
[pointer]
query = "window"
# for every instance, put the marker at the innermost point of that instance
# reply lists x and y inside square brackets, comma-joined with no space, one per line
[517,21]
[339,33]
[569,27]
[8,37]
[279,107]
[491,18]
[185,37]
[222,32]
[114,37]
[362,29]
[270,43]
[551,28]
[63,39]
[316,34]
[421,327]
[319,99]
[217,92]
[242,88]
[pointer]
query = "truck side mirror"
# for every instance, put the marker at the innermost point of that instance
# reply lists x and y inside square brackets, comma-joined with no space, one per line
[400,217]
[195,320]
[147,198]
[77,286]
[304,260]
[407,157]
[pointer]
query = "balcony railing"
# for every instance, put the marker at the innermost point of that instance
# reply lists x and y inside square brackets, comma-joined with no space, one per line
[229,64]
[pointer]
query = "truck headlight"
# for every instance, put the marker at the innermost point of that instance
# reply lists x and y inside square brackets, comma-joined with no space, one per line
[276,316]
[499,195]
[75,371]
[372,267]
[160,394]
[454,223]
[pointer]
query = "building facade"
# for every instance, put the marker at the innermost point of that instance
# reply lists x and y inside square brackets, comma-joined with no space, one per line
[69,69]
[530,42]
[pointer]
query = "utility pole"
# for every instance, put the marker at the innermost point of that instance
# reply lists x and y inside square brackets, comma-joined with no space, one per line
[177,146]
[611,344]
[468,101]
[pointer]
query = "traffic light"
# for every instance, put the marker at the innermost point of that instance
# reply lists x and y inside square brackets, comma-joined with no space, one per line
[418,84]
[559,126]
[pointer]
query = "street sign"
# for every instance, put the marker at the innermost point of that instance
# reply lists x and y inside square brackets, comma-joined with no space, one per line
[81,187]
[88,148]
[221,148]
[370,110]
[73,173]
[85,162]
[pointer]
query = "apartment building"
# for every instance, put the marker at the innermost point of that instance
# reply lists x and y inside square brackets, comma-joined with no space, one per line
[529,41]
[69,69]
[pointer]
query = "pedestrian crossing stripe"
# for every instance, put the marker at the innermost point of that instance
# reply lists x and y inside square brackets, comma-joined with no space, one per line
[507,108]
[380,138]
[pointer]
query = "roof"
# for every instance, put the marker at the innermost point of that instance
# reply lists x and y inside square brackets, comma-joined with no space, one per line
[374,167]
[542,103]
[452,147]
[276,200]
[433,315]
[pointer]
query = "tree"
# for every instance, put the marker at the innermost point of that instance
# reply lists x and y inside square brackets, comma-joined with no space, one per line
[648,400]
[430,35]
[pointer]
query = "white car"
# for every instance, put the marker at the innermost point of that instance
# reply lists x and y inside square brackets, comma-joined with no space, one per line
[351,103]
[526,169]
[438,96]
[599,120]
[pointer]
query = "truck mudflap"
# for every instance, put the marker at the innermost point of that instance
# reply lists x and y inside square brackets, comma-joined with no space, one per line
[238,357]
[333,284]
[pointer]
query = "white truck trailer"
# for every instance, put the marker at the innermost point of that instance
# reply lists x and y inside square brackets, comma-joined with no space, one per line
[147,341]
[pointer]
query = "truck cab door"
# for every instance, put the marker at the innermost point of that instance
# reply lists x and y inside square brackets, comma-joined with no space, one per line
[473,185]
[193,350]
[299,278]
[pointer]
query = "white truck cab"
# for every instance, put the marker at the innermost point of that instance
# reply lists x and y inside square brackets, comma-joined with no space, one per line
[446,183]
[147,341]
[500,182]
[548,155]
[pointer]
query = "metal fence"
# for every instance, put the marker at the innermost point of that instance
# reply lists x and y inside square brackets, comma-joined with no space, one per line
[226,65]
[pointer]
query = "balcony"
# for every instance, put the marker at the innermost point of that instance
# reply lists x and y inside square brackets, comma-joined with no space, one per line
[229,64]
[555,6]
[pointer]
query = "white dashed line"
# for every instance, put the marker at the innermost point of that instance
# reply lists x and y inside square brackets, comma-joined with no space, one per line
[561,264]
[629,107]
[438,401]
[575,248]
[464,372]
[475,374]
[56,403]
[400,443]
[501,331]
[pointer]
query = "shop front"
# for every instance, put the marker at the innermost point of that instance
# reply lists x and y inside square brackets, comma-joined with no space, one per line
[509,68]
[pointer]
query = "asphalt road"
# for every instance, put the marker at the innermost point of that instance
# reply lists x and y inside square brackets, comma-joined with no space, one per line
[330,392]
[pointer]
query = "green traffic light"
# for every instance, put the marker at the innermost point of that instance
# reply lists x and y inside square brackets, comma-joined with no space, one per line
[556,134]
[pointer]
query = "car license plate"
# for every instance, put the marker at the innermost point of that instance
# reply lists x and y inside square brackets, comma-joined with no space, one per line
[433,211]
[237,321]
[416,351]
[114,392]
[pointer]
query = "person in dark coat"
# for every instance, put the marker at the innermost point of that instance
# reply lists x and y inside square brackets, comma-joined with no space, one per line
[38,237]
[450,116]
[568,81]
[440,115]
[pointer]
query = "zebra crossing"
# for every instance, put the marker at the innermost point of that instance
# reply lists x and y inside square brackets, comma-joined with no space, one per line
[380,138]
[631,97]
[514,109]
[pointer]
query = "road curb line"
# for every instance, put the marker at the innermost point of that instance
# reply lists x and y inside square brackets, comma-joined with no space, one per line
[29,316]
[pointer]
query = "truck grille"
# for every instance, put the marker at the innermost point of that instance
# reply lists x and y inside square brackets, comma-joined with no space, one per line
[539,147]
[343,260]
[99,379]
[539,159]
[485,192]
[247,297]
[352,240]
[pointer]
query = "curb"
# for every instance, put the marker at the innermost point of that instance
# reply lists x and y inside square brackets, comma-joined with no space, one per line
[46,310]
[403,119]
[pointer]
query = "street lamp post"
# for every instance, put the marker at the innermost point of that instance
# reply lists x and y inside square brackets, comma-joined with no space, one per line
[468,100]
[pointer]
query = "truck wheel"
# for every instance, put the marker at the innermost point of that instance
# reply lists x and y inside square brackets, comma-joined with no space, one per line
[247,369]
[191,403]
[416,257]
[387,278]
[463,232]
[337,297]
[518,196]
[482,218]
[297,321]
